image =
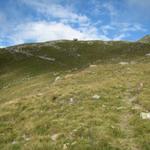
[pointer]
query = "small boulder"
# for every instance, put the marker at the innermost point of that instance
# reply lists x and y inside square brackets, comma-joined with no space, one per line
[96,96]
[39,94]
[74,143]
[120,108]
[123,63]
[25,138]
[92,66]
[54,137]
[147,54]
[145,115]
[57,78]
[14,142]
[71,101]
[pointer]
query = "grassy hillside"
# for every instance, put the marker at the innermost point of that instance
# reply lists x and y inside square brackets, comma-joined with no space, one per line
[75,95]
[145,39]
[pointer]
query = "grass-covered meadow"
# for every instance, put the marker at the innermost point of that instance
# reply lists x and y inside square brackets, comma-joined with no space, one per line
[89,97]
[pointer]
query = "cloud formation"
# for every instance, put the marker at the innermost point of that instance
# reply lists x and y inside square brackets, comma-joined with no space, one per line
[51,9]
[44,31]
[44,20]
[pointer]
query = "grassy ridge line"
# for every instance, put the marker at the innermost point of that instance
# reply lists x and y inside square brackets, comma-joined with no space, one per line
[74,54]
[68,55]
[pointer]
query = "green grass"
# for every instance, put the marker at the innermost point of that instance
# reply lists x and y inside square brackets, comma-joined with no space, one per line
[34,107]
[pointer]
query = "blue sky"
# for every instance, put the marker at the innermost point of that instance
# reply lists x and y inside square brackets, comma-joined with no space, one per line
[23,21]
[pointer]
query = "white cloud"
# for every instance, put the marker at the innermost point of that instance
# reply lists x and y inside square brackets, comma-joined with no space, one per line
[42,31]
[121,30]
[132,27]
[50,8]
[106,28]
[69,23]
[45,31]
[61,28]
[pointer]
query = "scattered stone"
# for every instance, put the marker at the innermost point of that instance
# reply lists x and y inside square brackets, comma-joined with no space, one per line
[120,108]
[147,54]
[145,115]
[96,96]
[74,143]
[26,138]
[46,58]
[55,136]
[72,101]
[92,66]
[39,94]
[78,55]
[75,130]
[123,63]
[112,127]
[57,78]
[140,87]
[14,142]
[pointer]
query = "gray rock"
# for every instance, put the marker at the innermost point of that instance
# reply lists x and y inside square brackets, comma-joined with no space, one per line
[145,115]
[123,63]
[54,137]
[96,96]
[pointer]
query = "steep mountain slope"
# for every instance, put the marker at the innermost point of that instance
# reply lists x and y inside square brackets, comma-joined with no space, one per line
[75,95]
[54,56]
[69,54]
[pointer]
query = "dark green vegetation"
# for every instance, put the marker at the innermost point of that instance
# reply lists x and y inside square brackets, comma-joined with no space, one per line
[47,89]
